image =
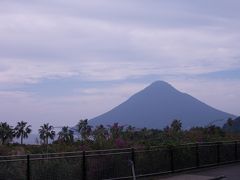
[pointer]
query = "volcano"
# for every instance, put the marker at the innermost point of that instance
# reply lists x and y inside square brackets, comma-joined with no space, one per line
[158,105]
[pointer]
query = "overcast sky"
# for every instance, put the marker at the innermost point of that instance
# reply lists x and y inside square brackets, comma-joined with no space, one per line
[61,60]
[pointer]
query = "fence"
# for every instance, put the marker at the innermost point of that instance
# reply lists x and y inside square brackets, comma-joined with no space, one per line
[114,164]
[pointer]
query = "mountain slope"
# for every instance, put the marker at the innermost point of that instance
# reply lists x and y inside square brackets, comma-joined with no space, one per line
[157,105]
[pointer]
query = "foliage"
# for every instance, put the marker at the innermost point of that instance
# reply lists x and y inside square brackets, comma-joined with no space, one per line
[100,136]
[115,131]
[65,135]
[176,125]
[22,130]
[84,129]
[46,132]
[107,137]
[6,133]
[232,126]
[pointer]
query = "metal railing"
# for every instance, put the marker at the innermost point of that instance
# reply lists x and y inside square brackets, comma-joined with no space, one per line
[114,163]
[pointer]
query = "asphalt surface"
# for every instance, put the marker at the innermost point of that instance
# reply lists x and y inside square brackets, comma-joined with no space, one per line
[230,172]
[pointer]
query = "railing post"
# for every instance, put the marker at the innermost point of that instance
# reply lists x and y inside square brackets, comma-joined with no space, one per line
[83,165]
[133,156]
[218,152]
[236,150]
[133,163]
[171,159]
[28,167]
[197,155]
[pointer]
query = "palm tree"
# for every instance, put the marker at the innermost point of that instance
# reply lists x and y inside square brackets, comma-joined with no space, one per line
[65,135]
[176,125]
[115,130]
[230,122]
[100,134]
[84,129]
[22,130]
[6,133]
[45,132]
[129,133]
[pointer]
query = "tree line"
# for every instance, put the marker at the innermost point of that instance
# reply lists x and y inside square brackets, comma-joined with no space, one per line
[113,135]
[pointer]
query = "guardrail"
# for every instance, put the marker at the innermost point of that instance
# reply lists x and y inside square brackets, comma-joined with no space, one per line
[118,163]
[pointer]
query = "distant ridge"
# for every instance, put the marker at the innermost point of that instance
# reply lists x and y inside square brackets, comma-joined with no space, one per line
[157,105]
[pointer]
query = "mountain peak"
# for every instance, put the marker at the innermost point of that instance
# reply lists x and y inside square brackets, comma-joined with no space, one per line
[160,87]
[160,84]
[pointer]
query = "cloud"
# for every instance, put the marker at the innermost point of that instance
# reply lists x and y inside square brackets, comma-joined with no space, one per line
[23,71]
[55,33]
[106,50]
[126,44]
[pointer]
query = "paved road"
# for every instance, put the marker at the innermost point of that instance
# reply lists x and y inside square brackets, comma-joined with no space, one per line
[231,172]
[187,177]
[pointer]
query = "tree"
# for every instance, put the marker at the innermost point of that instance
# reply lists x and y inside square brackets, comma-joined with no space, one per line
[100,134]
[230,122]
[116,131]
[129,133]
[46,132]
[173,133]
[84,129]
[176,125]
[6,133]
[214,132]
[232,126]
[65,135]
[22,130]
